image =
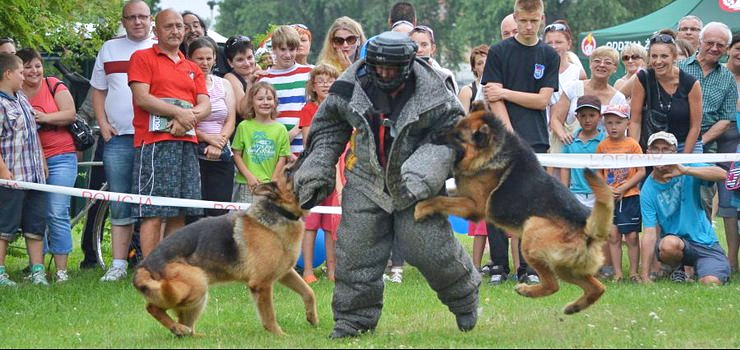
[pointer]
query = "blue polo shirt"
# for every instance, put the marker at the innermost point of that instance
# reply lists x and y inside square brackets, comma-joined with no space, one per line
[676,207]
[578,182]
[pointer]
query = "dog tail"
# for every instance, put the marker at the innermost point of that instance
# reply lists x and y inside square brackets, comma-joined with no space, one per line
[599,223]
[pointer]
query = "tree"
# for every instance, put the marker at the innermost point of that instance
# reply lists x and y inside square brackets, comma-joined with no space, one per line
[74,29]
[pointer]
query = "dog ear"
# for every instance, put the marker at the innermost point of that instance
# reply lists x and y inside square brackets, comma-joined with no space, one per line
[269,190]
[482,136]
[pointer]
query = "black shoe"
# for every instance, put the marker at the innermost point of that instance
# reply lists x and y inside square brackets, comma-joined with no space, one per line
[342,330]
[88,264]
[466,322]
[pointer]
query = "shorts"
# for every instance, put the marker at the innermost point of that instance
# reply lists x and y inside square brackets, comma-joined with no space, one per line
[587,199]
[477,228]
[166,169]
[26,209]
[328,222]
[242,193]
[627,216]
[118,161]
[706,260]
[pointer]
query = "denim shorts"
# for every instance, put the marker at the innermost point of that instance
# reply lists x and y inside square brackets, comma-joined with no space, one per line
[706,260]
[167,169]
[118,161]
[25,209]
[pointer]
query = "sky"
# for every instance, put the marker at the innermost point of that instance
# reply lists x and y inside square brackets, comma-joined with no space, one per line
[200,7]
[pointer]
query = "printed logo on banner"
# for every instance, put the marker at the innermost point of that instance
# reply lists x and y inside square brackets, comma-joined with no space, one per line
[729,5]
[588,44]
[539,71]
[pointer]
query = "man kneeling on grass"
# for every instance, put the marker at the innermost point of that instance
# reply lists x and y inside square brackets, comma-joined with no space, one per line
[671,198]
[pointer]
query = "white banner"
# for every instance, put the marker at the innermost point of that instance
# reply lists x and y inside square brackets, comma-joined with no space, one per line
[593,161]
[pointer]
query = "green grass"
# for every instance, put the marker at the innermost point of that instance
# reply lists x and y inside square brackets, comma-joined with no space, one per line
[84,313]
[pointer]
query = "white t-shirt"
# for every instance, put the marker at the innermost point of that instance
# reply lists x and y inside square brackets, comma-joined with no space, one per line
[111,73]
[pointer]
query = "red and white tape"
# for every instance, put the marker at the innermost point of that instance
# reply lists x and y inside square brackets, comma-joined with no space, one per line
[593,161]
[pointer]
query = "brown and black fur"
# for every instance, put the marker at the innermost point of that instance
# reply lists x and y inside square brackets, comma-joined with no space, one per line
[258,247]
[499,179]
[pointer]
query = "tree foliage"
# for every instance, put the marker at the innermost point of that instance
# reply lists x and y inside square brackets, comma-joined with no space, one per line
[73,29]
[458,25]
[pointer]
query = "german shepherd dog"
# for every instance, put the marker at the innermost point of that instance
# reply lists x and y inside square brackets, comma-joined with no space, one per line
[258,247]
[499,179]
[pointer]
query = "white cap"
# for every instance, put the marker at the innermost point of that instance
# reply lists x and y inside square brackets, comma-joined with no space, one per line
[665,136]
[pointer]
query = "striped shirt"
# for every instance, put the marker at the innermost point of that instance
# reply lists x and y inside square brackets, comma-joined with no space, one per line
[290,85]
[19,140]
[719,94]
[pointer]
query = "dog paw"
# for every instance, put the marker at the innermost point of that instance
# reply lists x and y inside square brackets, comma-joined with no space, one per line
[181,330]
[572,308]
[313,319]
[422,210]
[524,290]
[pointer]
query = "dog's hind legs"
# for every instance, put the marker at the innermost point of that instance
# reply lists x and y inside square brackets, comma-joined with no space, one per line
[548,282]
[161,315]
[592,291]
[294,281]
[262,294]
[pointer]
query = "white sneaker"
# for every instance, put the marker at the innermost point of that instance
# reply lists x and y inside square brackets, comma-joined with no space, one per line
[114,274]
[396,277]
[62,276]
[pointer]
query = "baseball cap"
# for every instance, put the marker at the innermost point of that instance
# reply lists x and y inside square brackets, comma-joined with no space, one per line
[620,110]
[589,101]
[662,135]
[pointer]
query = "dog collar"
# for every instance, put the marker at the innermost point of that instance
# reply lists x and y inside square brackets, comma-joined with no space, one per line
[280,210]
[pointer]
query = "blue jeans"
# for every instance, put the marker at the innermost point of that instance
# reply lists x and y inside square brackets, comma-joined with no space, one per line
[62,172]
[118,161]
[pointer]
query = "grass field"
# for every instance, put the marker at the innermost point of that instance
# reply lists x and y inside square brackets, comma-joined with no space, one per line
[85,313]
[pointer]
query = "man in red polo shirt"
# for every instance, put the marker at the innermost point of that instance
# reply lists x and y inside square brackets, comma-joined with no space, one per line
[170,97]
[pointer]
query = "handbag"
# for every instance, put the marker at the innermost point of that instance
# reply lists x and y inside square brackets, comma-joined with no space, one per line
[652,120]
[82,134]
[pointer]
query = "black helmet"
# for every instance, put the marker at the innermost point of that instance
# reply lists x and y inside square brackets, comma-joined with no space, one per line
[390,49]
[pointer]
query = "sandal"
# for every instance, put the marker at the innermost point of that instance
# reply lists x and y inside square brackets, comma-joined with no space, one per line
[310,279]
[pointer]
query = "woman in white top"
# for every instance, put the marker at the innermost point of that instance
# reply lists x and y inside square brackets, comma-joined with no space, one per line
[634,58]
[558,36]
[603,63]
[477,63]
[213,132]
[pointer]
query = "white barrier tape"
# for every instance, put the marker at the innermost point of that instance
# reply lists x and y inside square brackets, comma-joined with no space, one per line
[143,200]
[90,164]
[614,161]
[593,161]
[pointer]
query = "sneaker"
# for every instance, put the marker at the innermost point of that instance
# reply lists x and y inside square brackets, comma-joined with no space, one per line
[498,278]
[38,277]
[62,276]
[532,279]
[486,269]
[5,280]
[606,272]
[678,275]
[113,274]
[396,277]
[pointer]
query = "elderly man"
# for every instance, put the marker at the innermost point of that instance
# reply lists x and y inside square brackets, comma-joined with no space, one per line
[670,199]
[688,29]
[170,97]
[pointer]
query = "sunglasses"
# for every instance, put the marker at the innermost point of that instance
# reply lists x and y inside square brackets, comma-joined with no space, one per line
[350,40]
[662,38]
[401,23]
[424,29]
[626,58]
[298,25]
[237,39]
[7,40]
[557,27]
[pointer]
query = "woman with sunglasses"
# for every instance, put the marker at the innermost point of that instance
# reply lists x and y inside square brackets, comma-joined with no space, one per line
[634,57]
[675,98]
[342,44]
[240,57]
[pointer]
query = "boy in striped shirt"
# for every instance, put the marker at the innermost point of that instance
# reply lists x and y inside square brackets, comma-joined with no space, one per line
[289,79]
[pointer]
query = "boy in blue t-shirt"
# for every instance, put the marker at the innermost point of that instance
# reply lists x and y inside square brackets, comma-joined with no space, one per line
[585,140]
[671,199]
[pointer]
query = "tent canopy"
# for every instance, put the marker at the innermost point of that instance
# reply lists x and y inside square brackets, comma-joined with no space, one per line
[640,30]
